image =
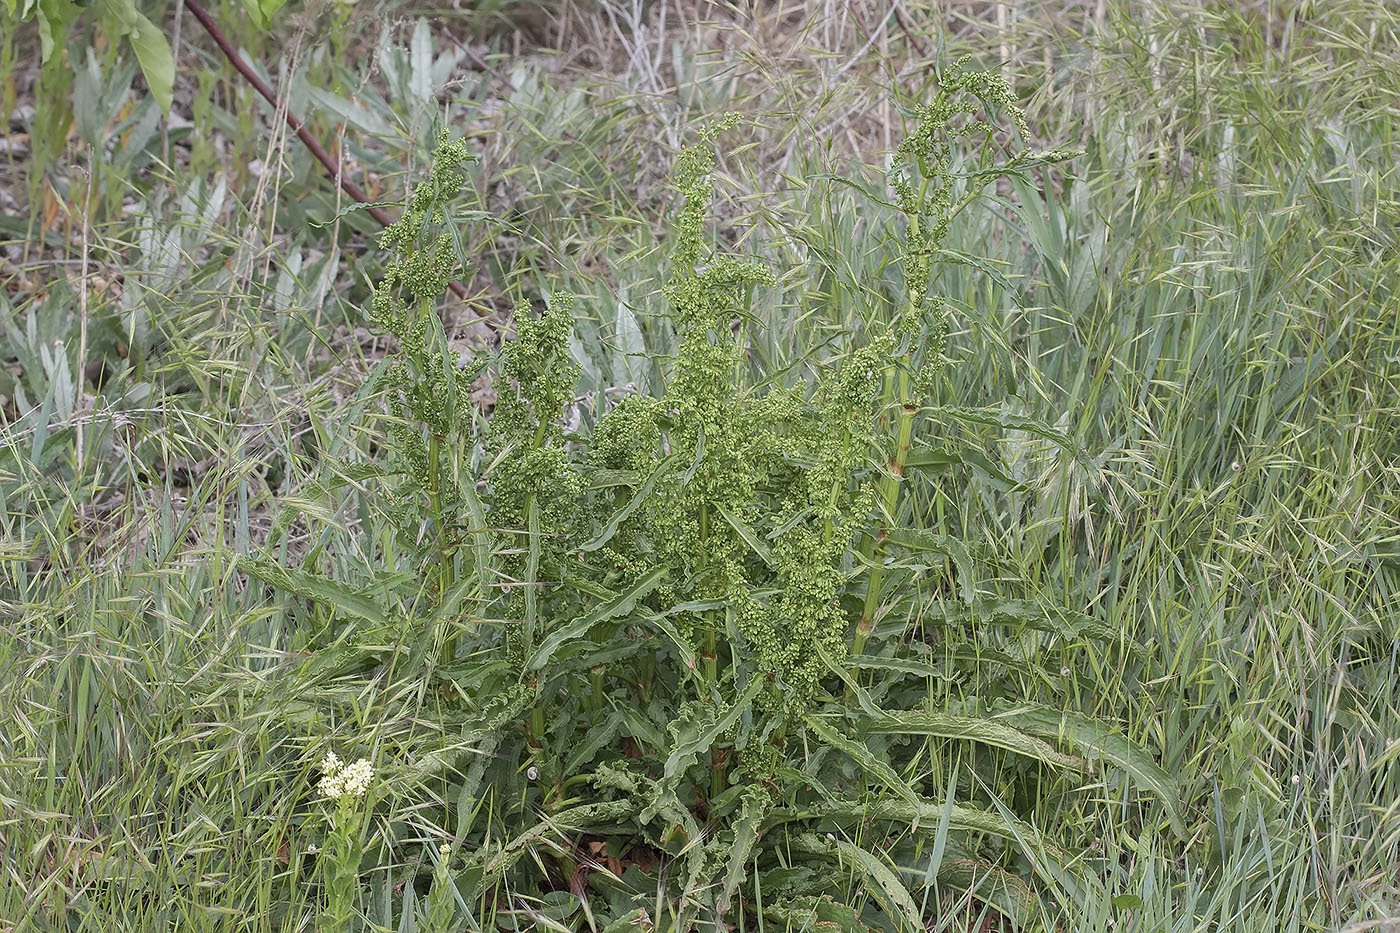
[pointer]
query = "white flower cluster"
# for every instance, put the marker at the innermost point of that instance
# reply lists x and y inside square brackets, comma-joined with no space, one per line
[342,781]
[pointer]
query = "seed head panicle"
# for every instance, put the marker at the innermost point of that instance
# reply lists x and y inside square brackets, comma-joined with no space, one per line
[428,394]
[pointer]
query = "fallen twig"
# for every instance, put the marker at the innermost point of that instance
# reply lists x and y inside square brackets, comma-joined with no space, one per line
[298,127]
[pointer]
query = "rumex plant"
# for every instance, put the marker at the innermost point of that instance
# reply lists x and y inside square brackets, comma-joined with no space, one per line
[655,631]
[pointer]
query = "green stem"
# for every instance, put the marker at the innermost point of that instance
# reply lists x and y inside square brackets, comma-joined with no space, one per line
[838,483]
[536,728]
[595,678]
[445,572]
[719,778]
[536,722]
[874,546]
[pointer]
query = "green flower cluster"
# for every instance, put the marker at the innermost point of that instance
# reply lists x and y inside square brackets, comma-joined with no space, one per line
[805,628]
[926,185]
[722,442]
[428,393]
[538,486]
[786,467]
[534,489]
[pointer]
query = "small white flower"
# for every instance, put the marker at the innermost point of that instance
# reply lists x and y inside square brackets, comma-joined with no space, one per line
[311,849]
[344,781]
[332,786]
[445,851]
[357,777]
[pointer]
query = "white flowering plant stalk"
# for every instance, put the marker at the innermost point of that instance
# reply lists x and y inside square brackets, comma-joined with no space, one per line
[442,905]
[654,629]
[342,788]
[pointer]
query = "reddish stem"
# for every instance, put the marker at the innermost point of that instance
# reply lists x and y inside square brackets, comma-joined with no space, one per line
[298,127]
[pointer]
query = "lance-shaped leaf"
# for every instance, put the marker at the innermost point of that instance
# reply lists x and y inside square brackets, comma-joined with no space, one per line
[869,762]
[992,885]
[1099,740]
[948,546]
[621,604]
[337,596]
[751,538]
[747,829]
[974,729]
[632,504]
[995,418]
[884,885]
[1055,619]
[695,738]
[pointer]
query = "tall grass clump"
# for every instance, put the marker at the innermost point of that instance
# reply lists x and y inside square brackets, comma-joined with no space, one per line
[679,636]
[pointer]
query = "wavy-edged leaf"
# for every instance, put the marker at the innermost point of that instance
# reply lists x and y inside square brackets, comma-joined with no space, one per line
[751,538]
[899,666]
[621,604]
[480,536]
[856,186]
[981,264]
[923,456]
[980,657]
[1065,623]
[747,828]
[1098,740]
[974,729]
[863,699]
[532,575]
[880,880]
[600,734]
[924,812]
[994,886]
[630,922]
[1084,890]
[694,467]
[693,738]
[991,417]
[950,547]
[553,831]
[632,504]
[333,594]
[817,915]
[608,479]
[641,728]
[682,645]
[858,752]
